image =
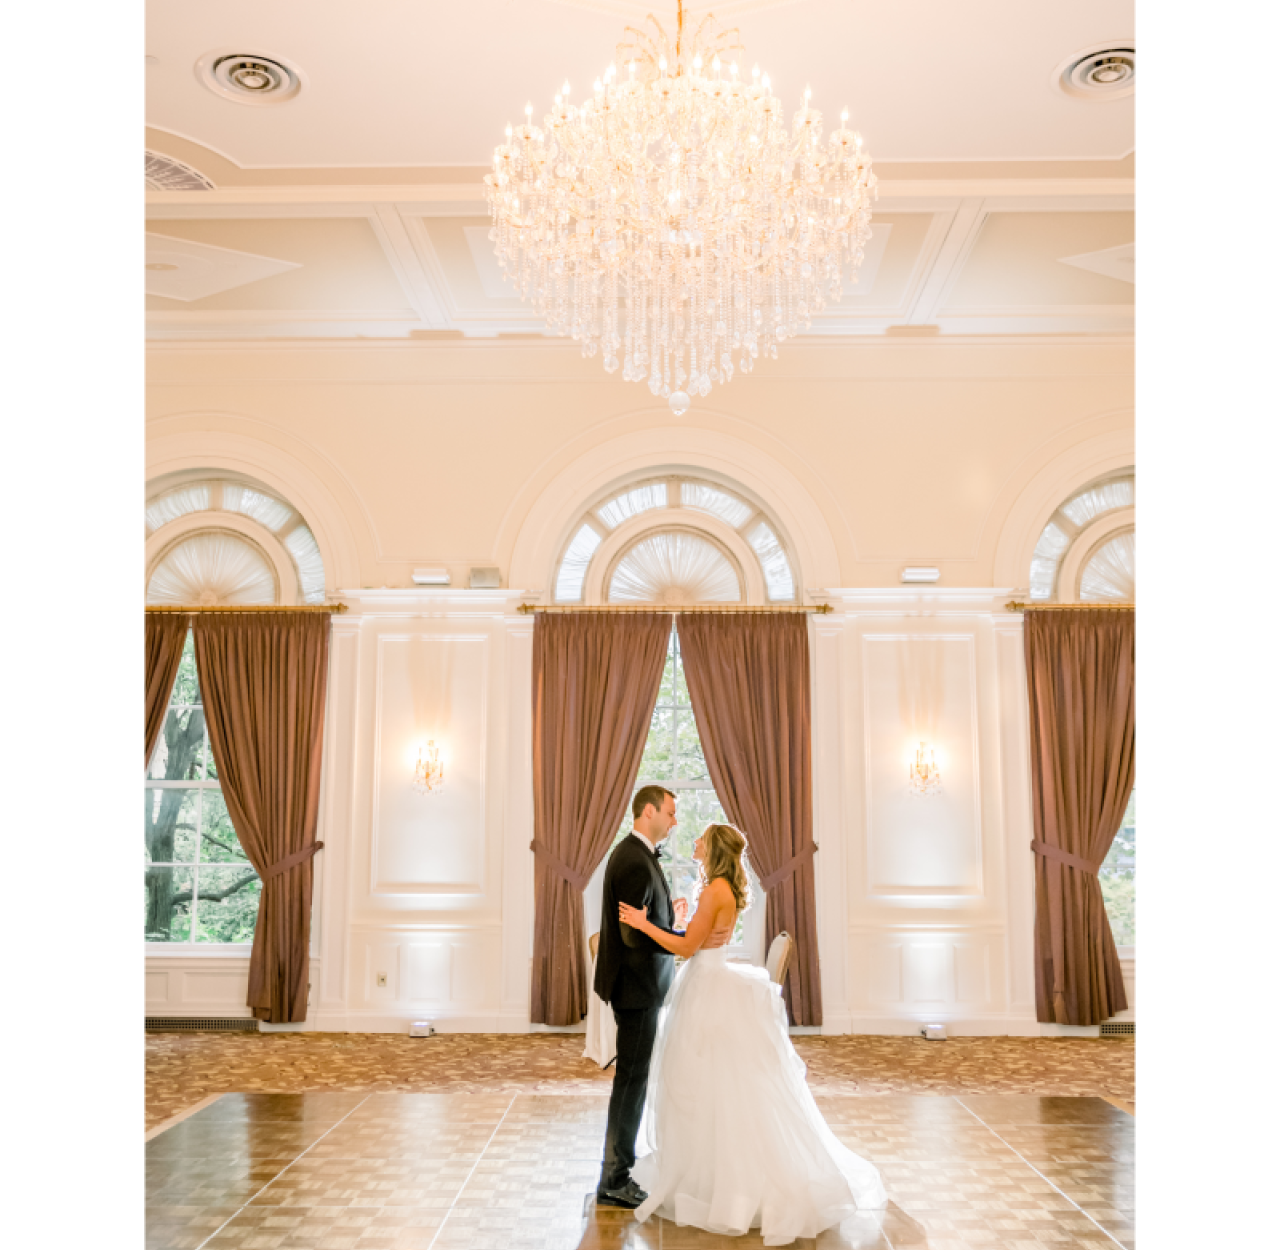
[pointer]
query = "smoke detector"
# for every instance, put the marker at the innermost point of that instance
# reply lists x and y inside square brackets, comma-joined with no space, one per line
[249,77]
[1102,72]
[166,174]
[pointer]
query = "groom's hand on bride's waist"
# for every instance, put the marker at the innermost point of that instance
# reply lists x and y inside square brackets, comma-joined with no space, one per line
[719,937]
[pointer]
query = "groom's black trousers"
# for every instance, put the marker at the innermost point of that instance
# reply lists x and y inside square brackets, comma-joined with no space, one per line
[637,1028]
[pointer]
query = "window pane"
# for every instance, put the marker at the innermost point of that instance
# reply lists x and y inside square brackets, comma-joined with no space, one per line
[682,877]
[218,841]
[180,751]
[634,502]
[170,825]
[719,503]
[674,567]
[265,509]
[672,672]
[213,566]
[656,763]
[695,810]
[774,562]
[168,904]
[228,904]
[186,689]
[691,765]
[1099,499]
[573,568]
[1116,876]
[302,546]
[1112,572]
[681,686]
[176,503]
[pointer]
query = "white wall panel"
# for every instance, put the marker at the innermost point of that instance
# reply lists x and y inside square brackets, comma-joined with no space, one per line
[430,687]
[921,688]
[157,988]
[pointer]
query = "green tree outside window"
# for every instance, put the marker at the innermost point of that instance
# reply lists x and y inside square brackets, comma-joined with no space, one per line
[199,884]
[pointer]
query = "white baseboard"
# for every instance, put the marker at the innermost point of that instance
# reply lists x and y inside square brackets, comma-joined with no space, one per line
[1070,1030]
[381,1022]
[998,1024]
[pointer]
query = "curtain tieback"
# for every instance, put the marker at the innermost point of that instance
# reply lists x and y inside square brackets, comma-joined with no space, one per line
[551,860]
[1046,851]
[291,861]
[777,878]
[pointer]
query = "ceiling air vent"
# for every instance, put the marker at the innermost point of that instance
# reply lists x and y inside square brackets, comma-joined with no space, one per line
[249,77]
[166,174]
[1103,72]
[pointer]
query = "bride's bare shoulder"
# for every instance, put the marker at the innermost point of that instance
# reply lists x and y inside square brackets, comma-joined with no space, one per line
[718,891]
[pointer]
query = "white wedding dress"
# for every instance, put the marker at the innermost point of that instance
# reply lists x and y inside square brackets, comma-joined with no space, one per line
[732,1138]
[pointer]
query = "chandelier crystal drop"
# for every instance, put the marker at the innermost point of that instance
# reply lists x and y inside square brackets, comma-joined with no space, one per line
[672,221]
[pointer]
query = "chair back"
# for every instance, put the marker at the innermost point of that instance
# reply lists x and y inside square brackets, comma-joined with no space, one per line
[779,958]
[593,942]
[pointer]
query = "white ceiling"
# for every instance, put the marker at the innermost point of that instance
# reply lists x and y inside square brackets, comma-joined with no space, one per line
[415,83]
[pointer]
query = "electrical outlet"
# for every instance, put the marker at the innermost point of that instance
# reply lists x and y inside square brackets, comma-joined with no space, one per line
[382,980]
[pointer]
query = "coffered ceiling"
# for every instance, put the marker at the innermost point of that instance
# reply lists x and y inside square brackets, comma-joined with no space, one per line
[356,208]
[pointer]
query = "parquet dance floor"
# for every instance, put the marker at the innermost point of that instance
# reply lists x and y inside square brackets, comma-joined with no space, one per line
[513,1171]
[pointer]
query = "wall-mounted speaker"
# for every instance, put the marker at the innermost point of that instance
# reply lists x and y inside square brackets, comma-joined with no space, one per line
[485,579]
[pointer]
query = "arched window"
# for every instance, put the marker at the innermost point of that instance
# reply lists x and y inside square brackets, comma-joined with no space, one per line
[675,540]
[1086,552]
[221,541]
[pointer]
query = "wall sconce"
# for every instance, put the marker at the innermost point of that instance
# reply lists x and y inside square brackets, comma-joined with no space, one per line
[428,772]
[923,777]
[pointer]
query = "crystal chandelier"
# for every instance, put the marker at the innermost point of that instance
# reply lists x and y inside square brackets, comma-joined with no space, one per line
[672,221]
[428,773]
[923,777]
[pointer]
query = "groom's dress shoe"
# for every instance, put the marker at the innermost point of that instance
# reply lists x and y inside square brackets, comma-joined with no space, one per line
[629,1196]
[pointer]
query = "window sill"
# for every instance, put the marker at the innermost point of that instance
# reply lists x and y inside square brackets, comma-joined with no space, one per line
[227,950]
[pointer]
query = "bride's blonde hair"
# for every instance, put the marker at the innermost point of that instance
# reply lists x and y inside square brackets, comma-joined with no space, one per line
[725,846]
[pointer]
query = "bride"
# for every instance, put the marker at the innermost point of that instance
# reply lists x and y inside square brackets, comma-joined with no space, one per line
[732,1138]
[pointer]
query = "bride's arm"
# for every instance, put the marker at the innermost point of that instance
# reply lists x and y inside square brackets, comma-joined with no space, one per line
[700,927]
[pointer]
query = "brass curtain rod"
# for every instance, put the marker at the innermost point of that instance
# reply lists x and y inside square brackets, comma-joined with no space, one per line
[820,608]
[302,607]
[1014,606]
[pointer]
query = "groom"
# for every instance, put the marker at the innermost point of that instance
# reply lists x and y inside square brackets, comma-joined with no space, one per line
[633,974]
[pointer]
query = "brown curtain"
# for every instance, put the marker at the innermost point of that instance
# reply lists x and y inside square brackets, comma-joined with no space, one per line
[1080,681]
[263,675]
[166,636]
[748,681]
[595,683]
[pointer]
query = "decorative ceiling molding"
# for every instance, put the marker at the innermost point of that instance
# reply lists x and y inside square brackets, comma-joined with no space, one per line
[1111,262]
[183,270]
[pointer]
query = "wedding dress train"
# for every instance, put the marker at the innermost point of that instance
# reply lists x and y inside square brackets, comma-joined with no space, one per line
[732,1138]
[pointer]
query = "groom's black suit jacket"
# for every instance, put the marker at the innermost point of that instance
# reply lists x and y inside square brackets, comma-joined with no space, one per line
[632,970]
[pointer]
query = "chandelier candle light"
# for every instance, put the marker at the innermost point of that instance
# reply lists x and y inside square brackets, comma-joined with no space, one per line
[428,773]
[671,220]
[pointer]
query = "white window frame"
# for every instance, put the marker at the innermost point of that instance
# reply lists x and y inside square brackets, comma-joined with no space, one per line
[190,946]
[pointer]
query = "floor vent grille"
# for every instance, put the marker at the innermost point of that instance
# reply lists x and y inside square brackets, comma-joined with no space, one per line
[1118,1028]
[197,1024]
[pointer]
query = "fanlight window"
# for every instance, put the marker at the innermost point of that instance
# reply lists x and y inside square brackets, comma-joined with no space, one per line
[674,568]
[673,562]
[215,565]
[213,568]
[1110,573]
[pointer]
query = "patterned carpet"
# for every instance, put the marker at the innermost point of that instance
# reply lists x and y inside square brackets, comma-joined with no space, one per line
[184,1068]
